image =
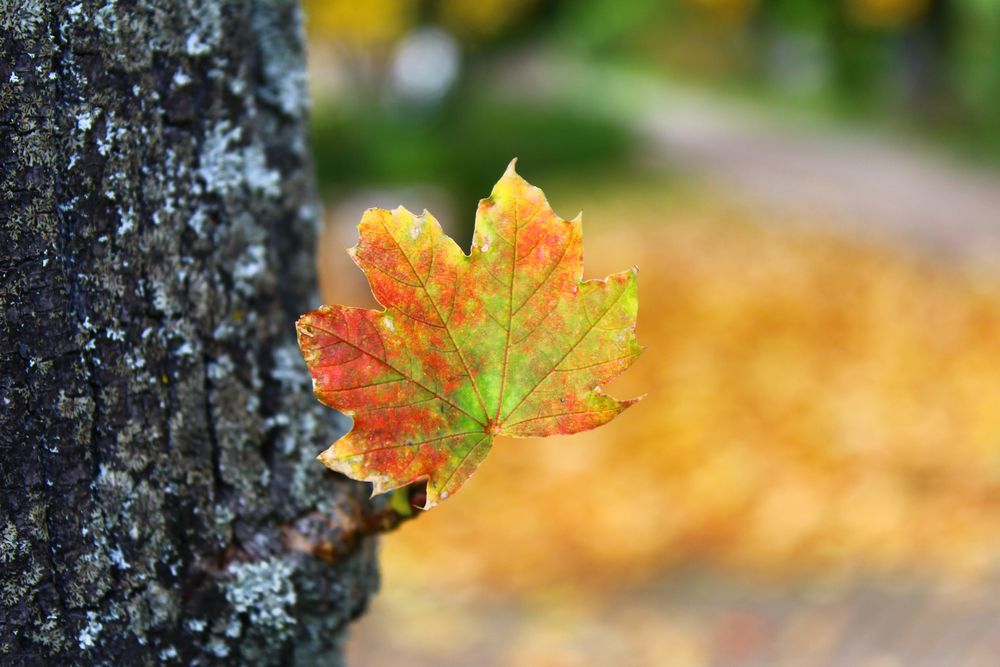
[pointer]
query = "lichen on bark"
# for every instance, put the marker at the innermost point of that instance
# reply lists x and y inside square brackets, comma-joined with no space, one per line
[157,429]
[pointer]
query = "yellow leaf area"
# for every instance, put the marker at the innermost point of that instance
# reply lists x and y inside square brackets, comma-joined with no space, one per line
[370,23]
[375,23]
[887,13]
[815,404]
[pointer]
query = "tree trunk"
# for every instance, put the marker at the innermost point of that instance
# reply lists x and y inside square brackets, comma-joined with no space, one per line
[161,503]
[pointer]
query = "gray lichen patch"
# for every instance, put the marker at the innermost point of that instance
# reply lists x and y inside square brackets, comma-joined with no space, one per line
[281,33]
[203,32]
[263,591]
[91,632]
[227,164]
[22,18]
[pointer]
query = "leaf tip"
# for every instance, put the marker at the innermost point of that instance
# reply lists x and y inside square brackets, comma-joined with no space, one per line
[303,326]
[511,168]
[371,212]
[628,403]
[432,498]
[329,458]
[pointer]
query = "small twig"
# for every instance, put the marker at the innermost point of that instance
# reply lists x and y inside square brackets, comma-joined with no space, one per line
[325,538]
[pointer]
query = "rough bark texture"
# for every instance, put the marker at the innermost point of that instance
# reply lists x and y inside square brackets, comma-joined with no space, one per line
[161,503]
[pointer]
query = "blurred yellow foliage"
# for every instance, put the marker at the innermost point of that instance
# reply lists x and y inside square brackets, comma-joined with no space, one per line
[815,405]
[886,13]
[367,24]
[482,18]
[377,23]
[728,10]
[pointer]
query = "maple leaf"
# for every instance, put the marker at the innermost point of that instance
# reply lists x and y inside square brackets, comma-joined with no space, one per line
[508,340]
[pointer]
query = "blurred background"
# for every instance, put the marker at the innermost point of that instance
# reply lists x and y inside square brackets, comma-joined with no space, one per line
[810,189]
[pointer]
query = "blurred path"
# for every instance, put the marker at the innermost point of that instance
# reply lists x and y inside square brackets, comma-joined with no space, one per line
[865,181]
[868,182]
[704,623]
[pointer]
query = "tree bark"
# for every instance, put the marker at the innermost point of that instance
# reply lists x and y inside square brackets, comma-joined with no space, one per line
[161,503]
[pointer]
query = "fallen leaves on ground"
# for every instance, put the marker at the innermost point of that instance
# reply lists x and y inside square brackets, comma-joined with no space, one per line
[817,405]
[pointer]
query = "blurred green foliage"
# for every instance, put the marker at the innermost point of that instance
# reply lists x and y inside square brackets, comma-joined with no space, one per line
[459,146]
[932,65]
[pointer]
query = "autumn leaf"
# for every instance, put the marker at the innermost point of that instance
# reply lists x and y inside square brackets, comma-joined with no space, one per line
[509,340]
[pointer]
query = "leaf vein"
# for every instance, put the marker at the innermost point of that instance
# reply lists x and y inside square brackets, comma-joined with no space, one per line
[406,377]
[559,414]
[570,350]
[383,448]
[464,459]
[451,336]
